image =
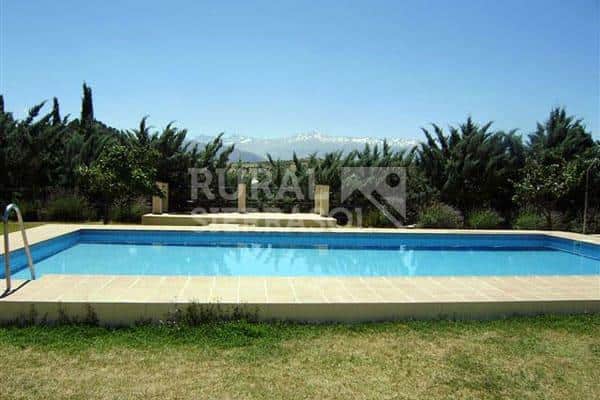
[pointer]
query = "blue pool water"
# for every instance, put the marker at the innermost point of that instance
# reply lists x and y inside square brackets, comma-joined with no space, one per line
[301,254]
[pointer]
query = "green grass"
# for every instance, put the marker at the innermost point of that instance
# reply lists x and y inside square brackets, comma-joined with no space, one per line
[14,226]
[529,358]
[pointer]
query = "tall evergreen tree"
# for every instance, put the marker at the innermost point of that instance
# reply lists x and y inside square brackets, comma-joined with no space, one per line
[472,166]
[87,106]
[55,112]
[561,136]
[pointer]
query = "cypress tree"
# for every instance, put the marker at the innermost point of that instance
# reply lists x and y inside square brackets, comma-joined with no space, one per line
[1,104]
[87,106]
[55,112]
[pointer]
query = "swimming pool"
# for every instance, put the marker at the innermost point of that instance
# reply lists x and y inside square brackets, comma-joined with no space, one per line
[137,252]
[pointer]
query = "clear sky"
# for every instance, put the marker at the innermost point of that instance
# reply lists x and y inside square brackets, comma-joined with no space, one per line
[276,68]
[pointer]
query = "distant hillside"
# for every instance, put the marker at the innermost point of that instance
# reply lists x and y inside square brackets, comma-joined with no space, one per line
[255,149]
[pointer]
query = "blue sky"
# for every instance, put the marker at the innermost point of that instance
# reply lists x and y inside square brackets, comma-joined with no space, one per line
[276,68]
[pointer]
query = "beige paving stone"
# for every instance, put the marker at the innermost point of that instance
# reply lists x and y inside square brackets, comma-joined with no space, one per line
[252,290]
[78,289]
[391,295]
[34,291]
[225,290]
[357,291]
[308,290]
[299,289]
[115,300]
[279,290]
[198,289]
[121,282]
[333,289]
[146,295]
[412,288]
[144,289]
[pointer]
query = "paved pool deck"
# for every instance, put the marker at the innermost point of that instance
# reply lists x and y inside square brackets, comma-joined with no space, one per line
[122,299]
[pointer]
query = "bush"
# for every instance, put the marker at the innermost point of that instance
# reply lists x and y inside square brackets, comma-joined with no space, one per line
[530,220]
[131,211]
[69,208]
[30,209]
[560,221]
[484,219]
[593,222]
[440,215]
[376,219]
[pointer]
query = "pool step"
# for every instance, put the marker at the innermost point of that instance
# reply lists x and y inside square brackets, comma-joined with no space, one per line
[296,220]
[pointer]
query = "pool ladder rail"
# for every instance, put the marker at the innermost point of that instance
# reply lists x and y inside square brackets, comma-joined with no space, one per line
[9,208]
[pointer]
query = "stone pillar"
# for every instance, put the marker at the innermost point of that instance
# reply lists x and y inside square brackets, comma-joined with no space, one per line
[164,187]
[317,197]
[324,202]
[241,197]
[156,205]
[160,204]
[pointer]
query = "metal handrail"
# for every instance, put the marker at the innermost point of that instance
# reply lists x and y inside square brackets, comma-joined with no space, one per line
[7,211]
[587,187]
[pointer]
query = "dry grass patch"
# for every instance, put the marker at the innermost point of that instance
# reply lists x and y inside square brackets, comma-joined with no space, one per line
[14,226]
[529,358]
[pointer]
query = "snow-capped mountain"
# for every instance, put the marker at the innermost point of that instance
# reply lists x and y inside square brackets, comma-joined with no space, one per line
[304,144]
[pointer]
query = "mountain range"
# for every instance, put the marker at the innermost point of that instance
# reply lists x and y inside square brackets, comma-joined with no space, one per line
[251,149]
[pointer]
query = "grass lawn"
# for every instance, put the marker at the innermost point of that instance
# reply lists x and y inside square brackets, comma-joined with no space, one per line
[14,226]
[528,358]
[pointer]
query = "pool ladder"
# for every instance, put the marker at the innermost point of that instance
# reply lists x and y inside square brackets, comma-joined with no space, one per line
[9,208]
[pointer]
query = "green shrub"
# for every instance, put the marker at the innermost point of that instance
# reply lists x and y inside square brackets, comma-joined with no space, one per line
[69,208]
[440,215]
[560,221]
[128,211]
[287,204]
[30,210]
[376,219]
[593,222]
[484,219]
[530,220]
